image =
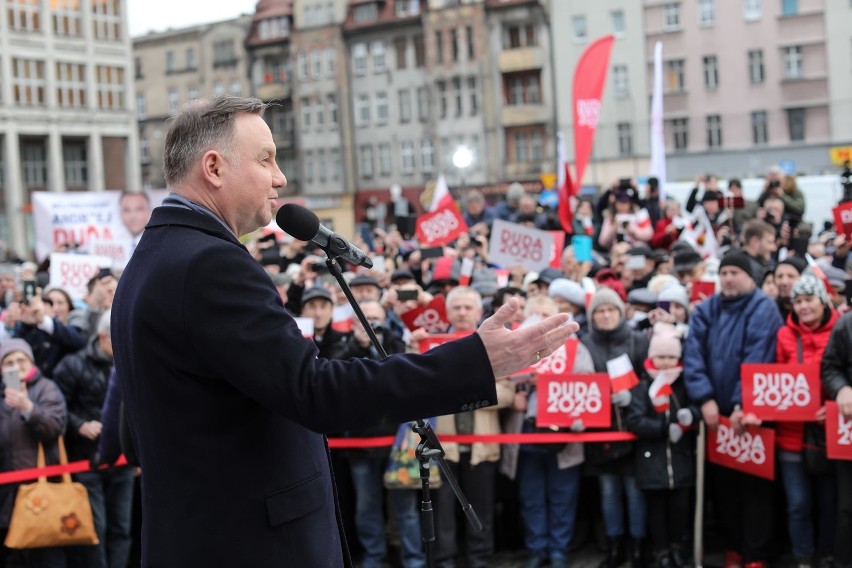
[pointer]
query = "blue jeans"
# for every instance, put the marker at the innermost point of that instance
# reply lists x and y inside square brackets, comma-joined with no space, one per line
[613,488]
[548,497]
[111,497]
[799,489]
[367,475]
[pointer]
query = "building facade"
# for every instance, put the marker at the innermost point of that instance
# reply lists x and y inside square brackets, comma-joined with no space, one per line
[66,120]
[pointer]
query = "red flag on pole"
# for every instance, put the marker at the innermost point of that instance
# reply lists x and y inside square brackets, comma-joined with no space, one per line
[566,195]
[589,79]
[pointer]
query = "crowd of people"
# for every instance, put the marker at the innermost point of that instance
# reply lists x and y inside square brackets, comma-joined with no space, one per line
[778,293]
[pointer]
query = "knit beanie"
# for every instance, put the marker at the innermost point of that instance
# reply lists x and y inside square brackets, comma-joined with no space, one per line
[605,296]
[12,345]
[738,259]
[810,285]
[797,262]
[568,290]
[675,293]
[665,341]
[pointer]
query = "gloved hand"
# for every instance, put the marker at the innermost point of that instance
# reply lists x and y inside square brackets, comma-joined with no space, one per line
[577,426]
[685,417]
[675,433]
[622,398]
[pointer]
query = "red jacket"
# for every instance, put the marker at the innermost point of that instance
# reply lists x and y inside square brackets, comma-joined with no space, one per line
[663,239]
[789,434]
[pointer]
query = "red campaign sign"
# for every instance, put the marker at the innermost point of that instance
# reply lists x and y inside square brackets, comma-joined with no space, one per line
[843,219]
[753,452]
[702,290]
[439,339]
[432,318]
[562,399]
[558,245]
[441,226]
[560,362]
[782,392]
[838,433]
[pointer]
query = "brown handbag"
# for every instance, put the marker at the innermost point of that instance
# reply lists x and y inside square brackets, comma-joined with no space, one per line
[51,514]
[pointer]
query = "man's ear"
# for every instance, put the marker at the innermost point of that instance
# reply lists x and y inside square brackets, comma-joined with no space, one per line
[213,167]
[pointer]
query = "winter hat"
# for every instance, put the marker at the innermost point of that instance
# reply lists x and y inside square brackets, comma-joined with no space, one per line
[314,293]
[810,285]
[484,281]
[665,341]
[662,281]
[797,262]
[738,259]
[676,294]
[12,345]
[568,290]
[606,296]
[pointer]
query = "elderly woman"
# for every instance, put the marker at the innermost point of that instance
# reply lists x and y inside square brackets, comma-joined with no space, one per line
[32,411]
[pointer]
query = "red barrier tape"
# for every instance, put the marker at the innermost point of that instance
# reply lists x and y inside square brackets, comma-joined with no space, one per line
[21,475]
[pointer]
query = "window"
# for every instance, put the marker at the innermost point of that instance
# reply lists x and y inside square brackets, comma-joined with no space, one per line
[793,62]
[706,12]
[192,94]
[796,124]
[714,131]
[309,19]
[137,66]
[384,159]
[170,62]
[110,82]
[359,58]
[579,27]
[407,157]
[522,88]
[330,61]
[423,103]
[759,128]
[674,76]
[404,96]
[362,110]
[335,164]
[141,106]
[236,88]
[322,166]
[524,144]
[536,146]
[617,17]
[381,107]
[711,71]
[752,10]
[439,47]
[270,28]
[756,74]
[365,13]
[106,19]
[218,88]
[378,49]
[28,81]
[331,105]
[34,163]
[419,51]
[24,15]
[75,162]
[320,115]
[71,85]
[174,101]
[329,13]
[144,150]
[273,70]
[67,17]
[407,8]
[399,46]
[474,95]
[309,166]
[190,58]
[366,161]
[680,133]
[316,64]
[306,113]
[302,65]
[427,155]
[454,44]
[621,81]
[625,139]
[470,47]
[457,95]
[517,36]
[442,99]
[223,53]
[671,16]
[789,7]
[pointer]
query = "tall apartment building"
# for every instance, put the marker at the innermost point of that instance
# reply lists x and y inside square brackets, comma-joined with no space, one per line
[622,139]
[65,113]
[174,67]
[747,84]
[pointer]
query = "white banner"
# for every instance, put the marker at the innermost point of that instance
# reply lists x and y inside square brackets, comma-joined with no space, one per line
[512,244]
[72,272]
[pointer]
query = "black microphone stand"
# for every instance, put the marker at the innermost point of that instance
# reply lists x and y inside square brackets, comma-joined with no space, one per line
[429,447]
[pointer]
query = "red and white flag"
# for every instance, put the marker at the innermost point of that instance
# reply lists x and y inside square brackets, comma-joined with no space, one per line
[621,373]
[661,388]
[441,196]
[466,272]
[643,219]
[820,274]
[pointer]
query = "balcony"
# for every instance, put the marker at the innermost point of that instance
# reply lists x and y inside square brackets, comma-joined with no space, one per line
[520,170]
[522,59]
[273,91]
[520,115]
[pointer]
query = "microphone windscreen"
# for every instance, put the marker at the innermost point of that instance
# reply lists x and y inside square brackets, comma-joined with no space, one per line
[302,223]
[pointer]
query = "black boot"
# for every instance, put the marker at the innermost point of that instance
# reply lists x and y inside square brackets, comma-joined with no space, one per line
[664,559]
[615,556]
[638,558]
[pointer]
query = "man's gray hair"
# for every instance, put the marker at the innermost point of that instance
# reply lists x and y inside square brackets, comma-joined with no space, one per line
[104,323]
[200,126]
[463,291]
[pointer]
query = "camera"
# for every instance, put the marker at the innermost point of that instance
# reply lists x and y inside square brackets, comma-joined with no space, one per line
[378,328]
[774,184]
[625,184]
[319,267]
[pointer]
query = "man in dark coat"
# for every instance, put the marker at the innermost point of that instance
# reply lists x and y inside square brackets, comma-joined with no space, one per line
[226,400]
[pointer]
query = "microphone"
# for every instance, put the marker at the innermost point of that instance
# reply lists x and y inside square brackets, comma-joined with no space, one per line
[304,225]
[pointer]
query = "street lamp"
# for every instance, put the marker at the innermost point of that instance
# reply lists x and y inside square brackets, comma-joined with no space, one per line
[462,159]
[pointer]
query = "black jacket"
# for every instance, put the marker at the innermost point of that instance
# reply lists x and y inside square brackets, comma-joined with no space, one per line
[48,350]
[659,463]
[836,369]
[83,378]
[227,402]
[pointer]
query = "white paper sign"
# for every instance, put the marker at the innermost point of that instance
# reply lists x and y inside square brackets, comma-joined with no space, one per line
[72,272]
[306,326]
[512,244]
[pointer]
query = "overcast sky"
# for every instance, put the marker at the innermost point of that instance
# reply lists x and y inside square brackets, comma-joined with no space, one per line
[159,15]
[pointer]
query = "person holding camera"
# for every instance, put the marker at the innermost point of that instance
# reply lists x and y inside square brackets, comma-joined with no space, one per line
[624,220]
